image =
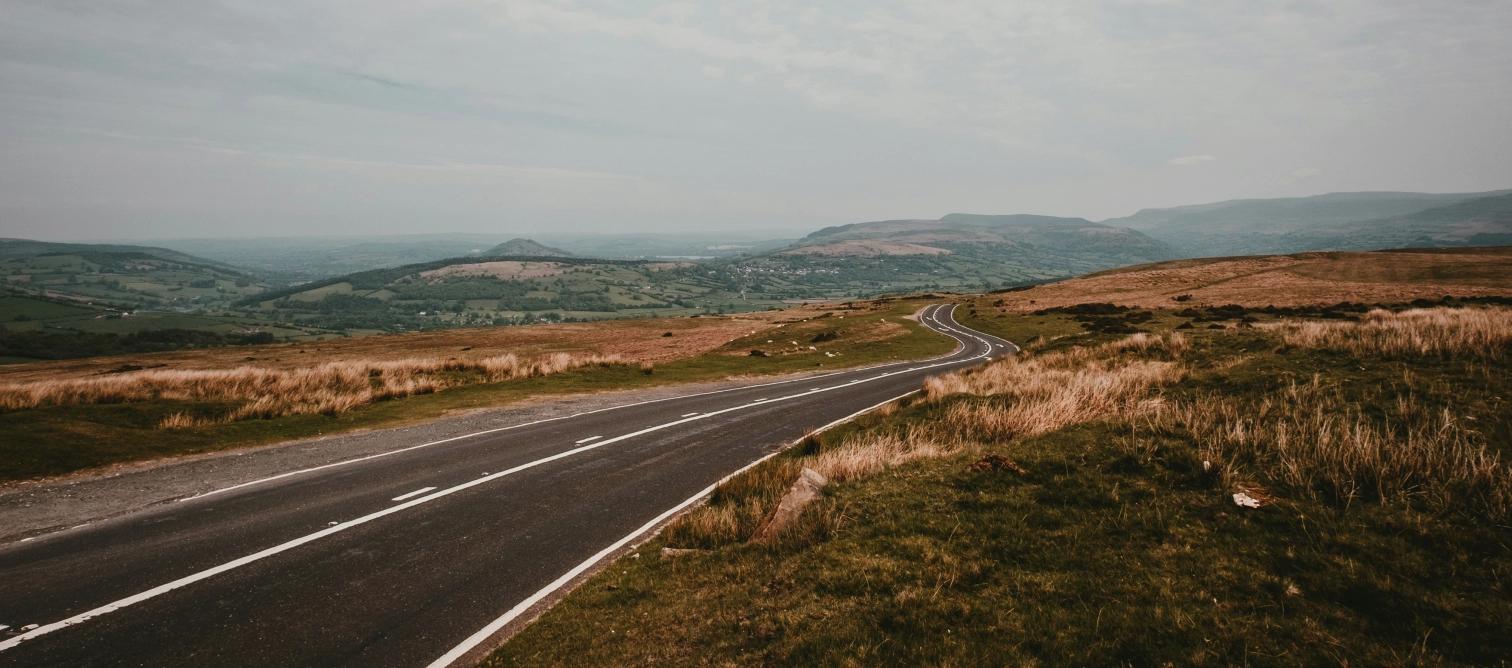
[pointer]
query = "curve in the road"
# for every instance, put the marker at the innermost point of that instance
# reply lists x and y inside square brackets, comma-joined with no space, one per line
[203,537]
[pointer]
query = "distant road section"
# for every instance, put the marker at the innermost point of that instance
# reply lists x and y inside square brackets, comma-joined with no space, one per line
[419,556]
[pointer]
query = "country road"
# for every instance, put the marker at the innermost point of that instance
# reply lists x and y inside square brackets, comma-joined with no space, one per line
[422,555]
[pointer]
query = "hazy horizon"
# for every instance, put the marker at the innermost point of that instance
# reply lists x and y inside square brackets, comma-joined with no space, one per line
[185,120]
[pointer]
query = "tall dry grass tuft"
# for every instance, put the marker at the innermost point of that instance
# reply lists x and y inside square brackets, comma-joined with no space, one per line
[1048,392]
[736,508]
[1315,442]
[864,455]
[330,388]
[1479,332]
[180,421]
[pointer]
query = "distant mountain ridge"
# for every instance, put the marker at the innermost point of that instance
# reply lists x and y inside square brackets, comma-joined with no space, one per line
[1319,222]
[120,275]
[965,232]
[1485,221]
[30,248]
[958,251]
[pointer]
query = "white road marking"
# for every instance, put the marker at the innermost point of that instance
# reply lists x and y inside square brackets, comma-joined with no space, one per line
[552,419]
[192,578]
[690,414]
[520,608]
[585,440]
[417,492]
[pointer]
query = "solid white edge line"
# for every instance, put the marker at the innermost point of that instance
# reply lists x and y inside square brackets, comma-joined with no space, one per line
[585,440]
[483,634]
[407,495]
[192,578]
[564,417]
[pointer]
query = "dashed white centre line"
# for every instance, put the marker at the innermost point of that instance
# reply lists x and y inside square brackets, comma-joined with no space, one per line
[689,414]
[585,440]
[34,630]
[417,492]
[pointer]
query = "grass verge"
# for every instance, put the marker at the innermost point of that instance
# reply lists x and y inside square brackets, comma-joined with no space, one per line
[42,435]
[995,521]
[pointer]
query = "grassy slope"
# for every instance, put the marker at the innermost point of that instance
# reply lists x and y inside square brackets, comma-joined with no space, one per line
[1285,280]
[56,440]
[1103,553]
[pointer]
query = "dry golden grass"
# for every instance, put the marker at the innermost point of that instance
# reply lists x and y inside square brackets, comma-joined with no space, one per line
[736,508]
[1285,280]
[1315,442]
[639,339]
[1305,438]
[1049,392]
[180,421]
[864,455]
[258,392]
[1477,332]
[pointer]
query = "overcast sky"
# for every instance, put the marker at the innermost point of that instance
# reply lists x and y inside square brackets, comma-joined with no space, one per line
[171,118]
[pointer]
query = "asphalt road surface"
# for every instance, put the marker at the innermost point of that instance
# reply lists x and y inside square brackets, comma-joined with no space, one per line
[420,556]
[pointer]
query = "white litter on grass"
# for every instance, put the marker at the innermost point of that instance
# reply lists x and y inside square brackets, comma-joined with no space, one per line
[1246,501]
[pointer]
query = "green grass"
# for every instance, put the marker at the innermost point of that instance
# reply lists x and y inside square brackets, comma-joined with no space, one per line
[1117,547]
[1091,560]
[12,307]
[57,440]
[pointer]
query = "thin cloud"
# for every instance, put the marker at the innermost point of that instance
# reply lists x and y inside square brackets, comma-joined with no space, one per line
[1189,160]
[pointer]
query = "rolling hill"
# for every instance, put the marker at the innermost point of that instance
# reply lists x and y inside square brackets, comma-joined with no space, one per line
[525,248]
[508,290]
[958,251]
[121,276]
[1314,278]
[1483,221]
[1321,222]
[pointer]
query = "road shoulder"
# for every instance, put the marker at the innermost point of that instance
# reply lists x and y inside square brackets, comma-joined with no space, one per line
[33,508]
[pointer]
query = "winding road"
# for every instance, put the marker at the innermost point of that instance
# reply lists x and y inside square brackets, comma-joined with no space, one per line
[423,555]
